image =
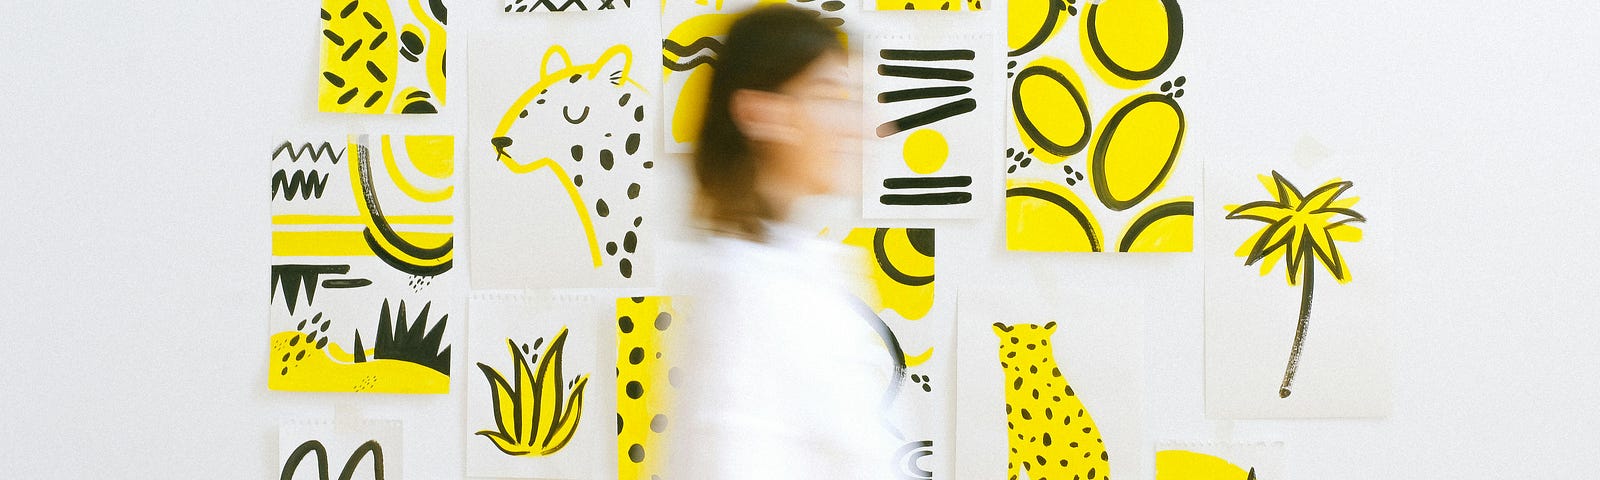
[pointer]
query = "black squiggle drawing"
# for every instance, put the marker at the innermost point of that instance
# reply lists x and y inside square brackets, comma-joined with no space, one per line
[314,152]
[315,447]
[306,185]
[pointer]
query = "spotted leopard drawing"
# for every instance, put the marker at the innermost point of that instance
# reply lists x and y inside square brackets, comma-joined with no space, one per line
[585,124]
[1050,432]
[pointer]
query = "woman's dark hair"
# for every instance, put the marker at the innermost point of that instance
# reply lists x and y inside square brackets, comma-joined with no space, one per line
[765,48]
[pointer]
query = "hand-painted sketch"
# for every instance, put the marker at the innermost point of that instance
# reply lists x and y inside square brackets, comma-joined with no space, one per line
[382,56]
[694,31]
[917,322]
[1049,424]
[550,5]
[1302,229]
[371,263]
[561,178]
[1129,155]
[931,133]
[1219,461]
[533,414]
[940,5]
[644,378]
[1340,371]
[374,448]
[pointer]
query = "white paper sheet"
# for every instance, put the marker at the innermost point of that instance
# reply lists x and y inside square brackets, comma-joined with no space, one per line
[366,449]
[563,150]
[1097,346]
[930,113]
[564,343]
[1252,317]
[362,263]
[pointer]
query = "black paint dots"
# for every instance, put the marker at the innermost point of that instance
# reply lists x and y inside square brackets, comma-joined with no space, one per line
[638,113]
[600,207]
[658,423]
[637,221]
[663,321]
[636,453]
[636,355]
[619,424]
[625,324]
[649,165]
[626,267]
[633,191]
[633,144]
[577,180]
[611,248]
[606,159]
[577,153]
[629,242]
[575,78]
[623,102]
[635,390]
[524,113]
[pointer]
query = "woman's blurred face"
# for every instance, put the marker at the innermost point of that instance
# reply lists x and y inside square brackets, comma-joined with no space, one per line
[825,123]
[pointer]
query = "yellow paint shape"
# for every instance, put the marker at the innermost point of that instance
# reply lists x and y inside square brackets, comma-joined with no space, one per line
[1135,149]
[1049,429]
[1030,23]
[371,223]
[912,302]
[1051,110]
[399,179]
[433,155]
[690,112]
[643,420]
[339,243]
[1163,227]
[1129,42]
[918,359]
[309,369]
[435,49]
[357,220]
[365,76]
[925,151]
[1187,465]
[1043,216]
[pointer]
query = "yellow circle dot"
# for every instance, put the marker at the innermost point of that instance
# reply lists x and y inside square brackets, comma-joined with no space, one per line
[925,151]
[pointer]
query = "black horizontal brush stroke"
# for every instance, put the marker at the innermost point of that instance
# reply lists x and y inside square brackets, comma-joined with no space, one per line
[925,55]
[926,117]
[926,182]
[921,93]
[346,283]
[926,73]
[946,198]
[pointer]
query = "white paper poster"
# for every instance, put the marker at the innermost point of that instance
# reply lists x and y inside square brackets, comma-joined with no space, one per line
[931,111]
[562,150]
[541,396]
[1295,297]
[1053,389]
[354,450]
[1219,461]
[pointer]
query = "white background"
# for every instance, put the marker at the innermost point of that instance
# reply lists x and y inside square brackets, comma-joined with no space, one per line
[133,252]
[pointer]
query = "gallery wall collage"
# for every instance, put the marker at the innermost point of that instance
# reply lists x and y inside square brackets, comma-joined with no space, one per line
[1064,118]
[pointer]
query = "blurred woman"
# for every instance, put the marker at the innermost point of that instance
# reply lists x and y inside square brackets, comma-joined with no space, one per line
[780,371]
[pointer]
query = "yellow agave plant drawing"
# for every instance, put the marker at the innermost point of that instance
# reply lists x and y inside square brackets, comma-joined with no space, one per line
[536,413]
[1303,230]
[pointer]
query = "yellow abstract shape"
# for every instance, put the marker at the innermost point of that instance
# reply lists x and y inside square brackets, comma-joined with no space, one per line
[1051,433]
[925,151]
[1135,149]
[643,389]
[1031,23]
[297,365]
[433,155]
[550,73]
[900,268]
[435,49]
[1043,216]
[1130,42]
[535,414]
[689,50]
[1300,228]
[918,359]
[1187,465]
[928,4]
[338,243]
[1050,109]
[418,194]
[358,70]
[417,254]
[357,220]
[1164,227]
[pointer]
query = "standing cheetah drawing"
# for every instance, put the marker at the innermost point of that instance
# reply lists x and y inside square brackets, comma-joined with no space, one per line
[585,124]
[1051,434]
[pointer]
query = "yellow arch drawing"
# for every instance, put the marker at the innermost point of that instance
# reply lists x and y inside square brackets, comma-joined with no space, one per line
[425,196]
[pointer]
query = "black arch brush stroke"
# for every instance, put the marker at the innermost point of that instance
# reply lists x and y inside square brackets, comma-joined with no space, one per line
[926,117]
[1169,210]
[315,447]
[1083,221]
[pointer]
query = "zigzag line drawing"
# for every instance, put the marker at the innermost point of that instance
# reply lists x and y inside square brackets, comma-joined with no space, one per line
[307,149]
[305,184]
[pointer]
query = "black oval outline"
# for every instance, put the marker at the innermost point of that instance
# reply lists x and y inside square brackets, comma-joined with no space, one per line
[1032,131]
[1174,42]
[1097,162]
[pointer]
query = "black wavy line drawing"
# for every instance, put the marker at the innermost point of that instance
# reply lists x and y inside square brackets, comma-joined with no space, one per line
[292,276]
[702,43]
[305,184]
[546,5]
[349,471]
[316,152]
[689,65]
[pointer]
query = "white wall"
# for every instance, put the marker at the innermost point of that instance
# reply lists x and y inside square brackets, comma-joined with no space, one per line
[134,240]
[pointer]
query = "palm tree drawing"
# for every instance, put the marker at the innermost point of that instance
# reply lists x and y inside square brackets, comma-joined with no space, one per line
[1302,229]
